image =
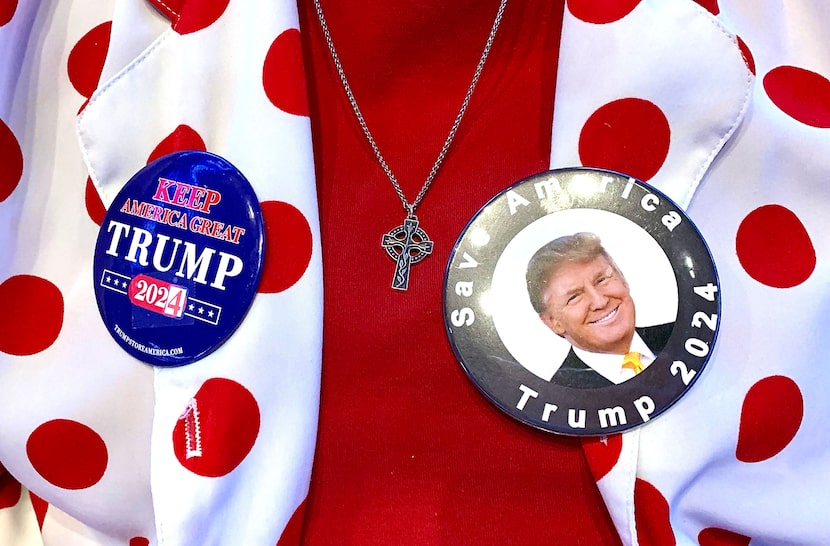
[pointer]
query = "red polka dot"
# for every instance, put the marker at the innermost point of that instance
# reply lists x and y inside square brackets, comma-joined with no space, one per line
[747,55]
[11,161]
[217,430]
[94,206]
[801,94]
[293,529]
[40,507]
[629,135]
[7,9]
[770,418]
[774,248]
[190,17]
[86,60]
[283,75]
[651,516]
[182,138]
[31,315]
[712,536]
[139,541]
[9,489]
[601,11]
[288,246]
[67,454]
[710,5]
[602,454]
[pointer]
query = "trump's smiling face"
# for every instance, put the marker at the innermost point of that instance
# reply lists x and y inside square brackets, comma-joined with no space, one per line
[588,303]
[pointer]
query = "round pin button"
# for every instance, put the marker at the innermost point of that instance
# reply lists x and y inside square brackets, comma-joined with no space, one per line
[178,258]
[582,302]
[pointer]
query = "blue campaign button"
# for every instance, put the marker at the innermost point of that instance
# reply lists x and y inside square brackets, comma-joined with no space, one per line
[178,258]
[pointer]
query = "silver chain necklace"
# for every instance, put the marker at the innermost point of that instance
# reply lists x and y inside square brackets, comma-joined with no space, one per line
[408,244]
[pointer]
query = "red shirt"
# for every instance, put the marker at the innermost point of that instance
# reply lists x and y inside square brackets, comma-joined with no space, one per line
[409,452]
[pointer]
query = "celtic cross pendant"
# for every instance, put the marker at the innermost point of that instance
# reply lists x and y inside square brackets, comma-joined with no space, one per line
[407,244]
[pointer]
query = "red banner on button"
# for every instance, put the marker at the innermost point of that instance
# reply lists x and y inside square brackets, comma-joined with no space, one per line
[158,296]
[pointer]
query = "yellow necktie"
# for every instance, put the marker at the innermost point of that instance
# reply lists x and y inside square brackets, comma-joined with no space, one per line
[631,361]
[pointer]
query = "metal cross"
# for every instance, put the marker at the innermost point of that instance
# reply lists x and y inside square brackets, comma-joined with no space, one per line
[407,244]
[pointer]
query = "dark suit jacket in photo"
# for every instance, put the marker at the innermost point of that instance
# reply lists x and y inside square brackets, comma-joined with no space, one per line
[575,373]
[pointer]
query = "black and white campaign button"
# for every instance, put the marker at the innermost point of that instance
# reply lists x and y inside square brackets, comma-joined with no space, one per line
[582,302]
[178,258]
